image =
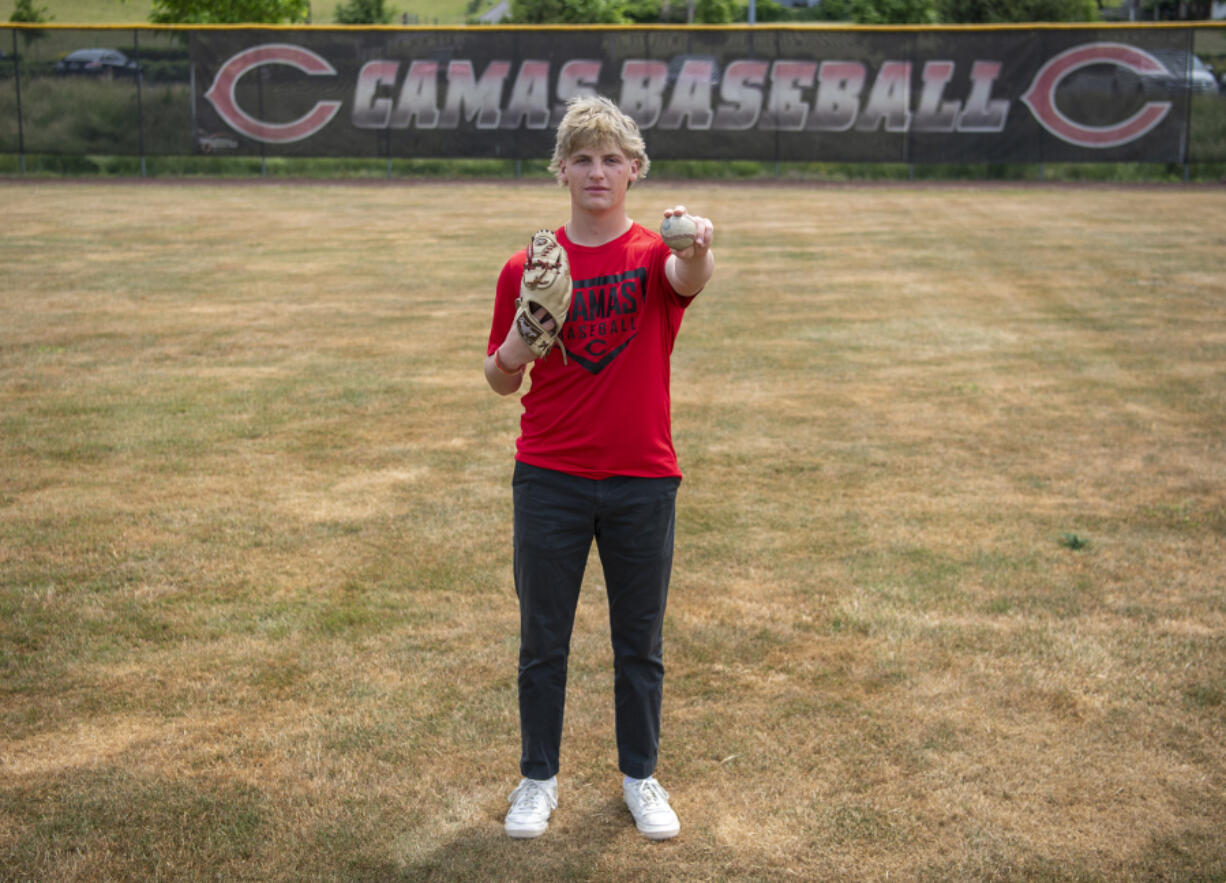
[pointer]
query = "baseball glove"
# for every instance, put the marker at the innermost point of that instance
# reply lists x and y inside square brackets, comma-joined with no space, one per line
[545,286]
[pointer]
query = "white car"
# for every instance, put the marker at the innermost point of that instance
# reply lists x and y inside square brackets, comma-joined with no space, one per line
[97,63]
[1187,71]
[1182,72]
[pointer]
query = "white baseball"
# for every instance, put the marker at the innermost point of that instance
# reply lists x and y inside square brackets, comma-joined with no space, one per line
[678,231]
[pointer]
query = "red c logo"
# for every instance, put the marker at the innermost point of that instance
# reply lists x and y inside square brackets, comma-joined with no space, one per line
[221,93]
[1041,98]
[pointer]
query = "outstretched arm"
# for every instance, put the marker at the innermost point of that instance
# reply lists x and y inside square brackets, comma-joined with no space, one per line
[689,269]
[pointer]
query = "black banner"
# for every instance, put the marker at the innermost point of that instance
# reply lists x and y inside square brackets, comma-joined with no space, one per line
[786,93]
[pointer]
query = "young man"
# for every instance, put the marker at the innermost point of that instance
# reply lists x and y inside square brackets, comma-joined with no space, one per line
[595,459]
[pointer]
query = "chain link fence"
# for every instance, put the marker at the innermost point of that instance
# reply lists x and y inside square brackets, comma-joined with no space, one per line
[769,94]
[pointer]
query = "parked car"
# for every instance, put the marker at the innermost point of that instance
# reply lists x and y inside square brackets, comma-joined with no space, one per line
[1203,78]
[1187,71]
[1182,72]
[97,63]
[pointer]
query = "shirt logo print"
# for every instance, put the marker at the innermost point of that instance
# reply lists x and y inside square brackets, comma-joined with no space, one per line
[603,318]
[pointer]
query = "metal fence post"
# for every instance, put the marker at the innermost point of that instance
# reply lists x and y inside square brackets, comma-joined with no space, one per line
[1188,93]
[261,75]
[21,134]
[140,110]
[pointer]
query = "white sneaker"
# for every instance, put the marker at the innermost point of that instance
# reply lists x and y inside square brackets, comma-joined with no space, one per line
[531,804]
[648,803]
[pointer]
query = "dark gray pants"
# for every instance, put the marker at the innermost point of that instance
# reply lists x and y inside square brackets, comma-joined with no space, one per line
[632,520]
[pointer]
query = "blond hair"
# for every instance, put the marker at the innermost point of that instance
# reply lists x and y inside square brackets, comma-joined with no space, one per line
[595,121]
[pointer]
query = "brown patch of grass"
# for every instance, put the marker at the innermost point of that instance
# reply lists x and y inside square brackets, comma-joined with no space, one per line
[255,606]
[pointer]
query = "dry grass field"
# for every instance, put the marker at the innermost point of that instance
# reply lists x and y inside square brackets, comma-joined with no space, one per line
[950,595]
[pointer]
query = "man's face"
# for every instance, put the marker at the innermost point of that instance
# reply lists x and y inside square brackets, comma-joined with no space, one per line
[599,176]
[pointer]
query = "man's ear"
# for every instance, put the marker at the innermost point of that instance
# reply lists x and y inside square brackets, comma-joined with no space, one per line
[634,170]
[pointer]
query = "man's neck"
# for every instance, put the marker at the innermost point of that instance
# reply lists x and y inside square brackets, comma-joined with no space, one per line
[585,228]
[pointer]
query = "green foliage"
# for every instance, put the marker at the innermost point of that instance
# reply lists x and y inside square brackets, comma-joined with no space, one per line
[536,12]
[1073,541]
[872,12]
[767,11]
[628,11]
[1000,11]
[895,12]
[877,12]
[714,12]
[229,11]
[29,12]
[363,12]
[650,12]
[89,116]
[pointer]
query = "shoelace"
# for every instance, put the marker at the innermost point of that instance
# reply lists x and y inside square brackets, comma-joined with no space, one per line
[652,794]
[528,797]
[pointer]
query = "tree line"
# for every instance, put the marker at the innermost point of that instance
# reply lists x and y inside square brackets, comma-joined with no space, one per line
[663,11]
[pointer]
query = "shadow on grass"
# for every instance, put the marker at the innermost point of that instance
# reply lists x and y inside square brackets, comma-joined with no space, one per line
[578,845]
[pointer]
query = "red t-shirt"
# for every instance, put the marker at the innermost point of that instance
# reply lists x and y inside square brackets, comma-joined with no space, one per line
[607,411]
